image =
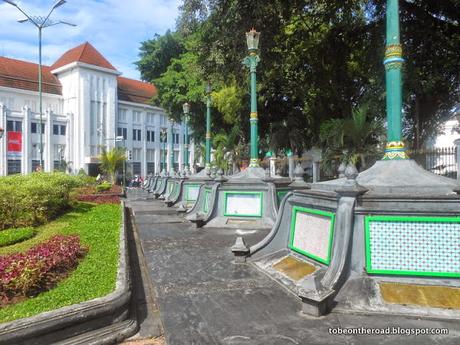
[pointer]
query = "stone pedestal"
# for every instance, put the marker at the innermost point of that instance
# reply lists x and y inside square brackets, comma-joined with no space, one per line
[249,199]
[367,236]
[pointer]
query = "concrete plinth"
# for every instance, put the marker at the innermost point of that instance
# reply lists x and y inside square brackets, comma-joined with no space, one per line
[249,199]
[393,225]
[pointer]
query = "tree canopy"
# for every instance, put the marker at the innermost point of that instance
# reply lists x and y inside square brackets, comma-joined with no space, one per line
[319,60]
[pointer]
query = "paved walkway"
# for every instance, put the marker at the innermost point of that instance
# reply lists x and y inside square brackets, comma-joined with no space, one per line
[204,298]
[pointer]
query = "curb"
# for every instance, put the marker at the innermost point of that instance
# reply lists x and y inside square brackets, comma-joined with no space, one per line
[73,324]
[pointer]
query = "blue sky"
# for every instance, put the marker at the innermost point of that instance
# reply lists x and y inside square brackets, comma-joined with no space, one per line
[115,28]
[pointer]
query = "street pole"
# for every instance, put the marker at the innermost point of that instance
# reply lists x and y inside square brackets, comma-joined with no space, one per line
[163,156]
[40,97]
[40,23]
[171,146]
[251,61]
[208,127]
[393,63]
[186,108]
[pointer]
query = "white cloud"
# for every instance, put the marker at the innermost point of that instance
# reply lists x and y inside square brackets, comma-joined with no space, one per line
[114,27]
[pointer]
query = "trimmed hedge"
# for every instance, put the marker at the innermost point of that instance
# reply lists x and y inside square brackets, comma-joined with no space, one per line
[12,236]
[34,199]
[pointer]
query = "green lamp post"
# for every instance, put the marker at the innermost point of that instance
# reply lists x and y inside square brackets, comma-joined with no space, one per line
[171,147]
[393,63]
[251,61]
[163,139]
[186,109]
[208,127]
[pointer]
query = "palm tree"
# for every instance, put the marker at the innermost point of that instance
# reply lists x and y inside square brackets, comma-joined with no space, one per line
[112,161]
[229,148]
[351,139]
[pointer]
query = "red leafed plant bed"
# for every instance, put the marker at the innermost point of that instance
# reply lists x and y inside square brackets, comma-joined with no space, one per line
[24,275]
[89,194]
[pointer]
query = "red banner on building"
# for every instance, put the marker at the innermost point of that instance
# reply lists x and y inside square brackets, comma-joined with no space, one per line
[14,142]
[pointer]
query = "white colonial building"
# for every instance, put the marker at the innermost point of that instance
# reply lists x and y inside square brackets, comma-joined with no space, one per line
[86,105]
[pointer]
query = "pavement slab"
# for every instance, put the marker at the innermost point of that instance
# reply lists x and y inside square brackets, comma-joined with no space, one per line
[205,298]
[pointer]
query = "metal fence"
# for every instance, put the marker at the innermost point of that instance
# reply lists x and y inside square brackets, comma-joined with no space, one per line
[441,161]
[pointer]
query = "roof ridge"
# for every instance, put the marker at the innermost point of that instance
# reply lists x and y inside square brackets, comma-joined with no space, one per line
[85,45]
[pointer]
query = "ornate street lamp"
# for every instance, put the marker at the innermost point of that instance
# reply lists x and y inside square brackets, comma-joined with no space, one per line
[186,109]
[208,127]
[251,61]
[40,23]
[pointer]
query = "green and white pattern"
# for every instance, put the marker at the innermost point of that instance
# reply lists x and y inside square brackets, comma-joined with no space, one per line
[414,246]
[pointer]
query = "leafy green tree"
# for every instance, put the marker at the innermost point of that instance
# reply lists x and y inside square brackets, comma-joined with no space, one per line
[112,161]
[156,54]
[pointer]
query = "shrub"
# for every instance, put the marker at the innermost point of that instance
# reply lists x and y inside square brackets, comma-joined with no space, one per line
[12,236]
[104,186]
[24,273]
[33,199]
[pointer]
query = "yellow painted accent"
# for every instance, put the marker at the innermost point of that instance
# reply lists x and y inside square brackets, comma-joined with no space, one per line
[422,295]
[294,268]
[253,115]
[252,53]
[393,50]
[254,163]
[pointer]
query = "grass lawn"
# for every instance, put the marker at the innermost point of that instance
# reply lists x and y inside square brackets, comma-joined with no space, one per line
[98,227]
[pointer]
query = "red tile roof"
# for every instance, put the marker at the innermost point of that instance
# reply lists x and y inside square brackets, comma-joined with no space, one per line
[24,75]
[83,53]
[135,91]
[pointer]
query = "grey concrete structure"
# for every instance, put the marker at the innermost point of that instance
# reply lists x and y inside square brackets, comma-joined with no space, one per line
[205,298]
[249,199]
[398,196]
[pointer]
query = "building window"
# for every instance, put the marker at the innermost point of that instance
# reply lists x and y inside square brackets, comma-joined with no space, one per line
[122,115]
[137,117]
[136,168]
[137,155]
[122,132]
[137,135]
[175,138]
[150,118]
[164,137]
[59,129]
[150,168]
[13,126]
[150,155]
[14,166]
[35,164]
[151,136]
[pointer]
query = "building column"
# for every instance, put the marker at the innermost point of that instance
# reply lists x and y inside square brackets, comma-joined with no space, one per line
[48,141]
[157,145]
[3,145]
[144,145]
[26,141]
[69,150]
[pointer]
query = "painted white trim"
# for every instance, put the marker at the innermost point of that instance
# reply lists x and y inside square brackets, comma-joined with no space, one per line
[28,92]
[142,105]
[84,65]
